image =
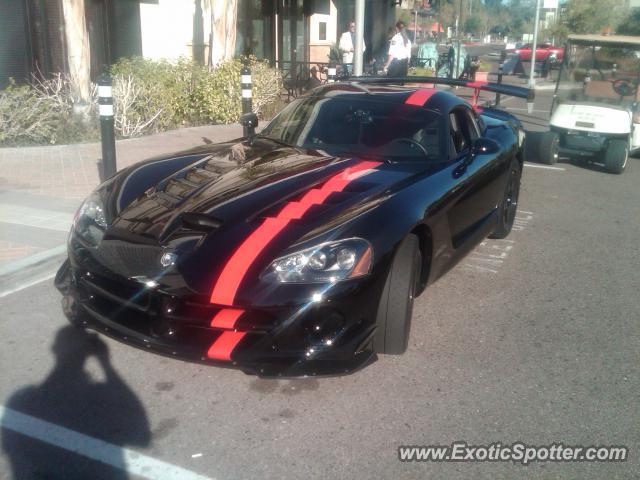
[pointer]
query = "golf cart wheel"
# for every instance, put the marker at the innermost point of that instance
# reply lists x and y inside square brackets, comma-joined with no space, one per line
[509,203]
[548,148]
[616,156]
[393,320]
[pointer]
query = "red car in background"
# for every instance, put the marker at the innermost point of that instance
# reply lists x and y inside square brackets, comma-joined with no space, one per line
[543,51]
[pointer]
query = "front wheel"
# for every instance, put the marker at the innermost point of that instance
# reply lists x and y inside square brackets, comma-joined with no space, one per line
[616,156]
[509,204]
[393,320]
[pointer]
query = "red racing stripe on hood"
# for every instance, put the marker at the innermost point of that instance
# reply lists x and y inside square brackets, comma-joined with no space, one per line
[226,318]
[227,284]
[224,345]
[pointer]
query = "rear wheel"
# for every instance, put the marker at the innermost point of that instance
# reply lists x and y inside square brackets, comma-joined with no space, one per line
[616,156]
[396,303]
[548,148]
[509,204]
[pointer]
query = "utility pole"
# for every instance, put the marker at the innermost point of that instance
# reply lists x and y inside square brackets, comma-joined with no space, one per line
[458,26]
[357,54]
[532,80]
[438,40]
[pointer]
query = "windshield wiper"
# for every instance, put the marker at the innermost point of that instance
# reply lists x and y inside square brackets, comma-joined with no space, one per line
[279,142]
[377,156]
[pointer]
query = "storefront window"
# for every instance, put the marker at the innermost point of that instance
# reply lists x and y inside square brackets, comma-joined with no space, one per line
[254,35]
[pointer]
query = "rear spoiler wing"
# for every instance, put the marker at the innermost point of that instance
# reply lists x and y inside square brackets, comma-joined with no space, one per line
[499,88]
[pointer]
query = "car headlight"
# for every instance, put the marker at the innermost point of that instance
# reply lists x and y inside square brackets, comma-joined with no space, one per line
[325,263]
[90,222]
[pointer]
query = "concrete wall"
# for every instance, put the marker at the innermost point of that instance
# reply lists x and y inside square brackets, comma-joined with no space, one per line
[167,28]
[319,49]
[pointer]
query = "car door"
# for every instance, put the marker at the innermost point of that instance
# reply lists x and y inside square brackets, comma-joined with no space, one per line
[526,52]
[474,215]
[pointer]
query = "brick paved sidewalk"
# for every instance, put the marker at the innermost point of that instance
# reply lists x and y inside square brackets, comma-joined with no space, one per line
[42,187]
[70,171]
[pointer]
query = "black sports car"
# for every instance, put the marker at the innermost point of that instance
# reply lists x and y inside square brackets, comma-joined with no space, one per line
[297,251]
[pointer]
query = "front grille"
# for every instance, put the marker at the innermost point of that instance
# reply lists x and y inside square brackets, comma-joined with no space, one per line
[129,260]
[121,294]
[123,300]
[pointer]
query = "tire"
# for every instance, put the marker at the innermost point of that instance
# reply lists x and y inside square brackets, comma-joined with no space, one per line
[71,311]
[393,320]
[548,148]
[616,156]
[509,203]
[69,305]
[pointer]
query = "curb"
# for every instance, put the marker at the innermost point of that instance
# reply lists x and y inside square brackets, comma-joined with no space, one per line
[31,270]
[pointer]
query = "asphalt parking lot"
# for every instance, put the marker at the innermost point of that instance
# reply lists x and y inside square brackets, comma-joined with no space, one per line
[534,338]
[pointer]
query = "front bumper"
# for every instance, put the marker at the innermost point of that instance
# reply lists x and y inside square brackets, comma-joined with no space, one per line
[325,338]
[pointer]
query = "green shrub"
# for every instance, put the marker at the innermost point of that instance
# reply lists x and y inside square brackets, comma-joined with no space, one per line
[42,114]
[27,118]
[149,96]
[189,94]
[24,118]
[217,96]
[160,86]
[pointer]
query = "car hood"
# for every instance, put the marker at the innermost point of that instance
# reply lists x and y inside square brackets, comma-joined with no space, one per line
[203,211]
[232,183]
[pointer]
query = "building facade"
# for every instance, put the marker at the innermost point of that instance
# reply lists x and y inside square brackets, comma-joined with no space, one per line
[33,40]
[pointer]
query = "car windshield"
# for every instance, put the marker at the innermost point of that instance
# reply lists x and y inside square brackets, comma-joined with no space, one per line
[353,125]
[600,74]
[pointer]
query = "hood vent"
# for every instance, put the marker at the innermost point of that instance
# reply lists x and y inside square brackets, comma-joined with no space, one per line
[200,222]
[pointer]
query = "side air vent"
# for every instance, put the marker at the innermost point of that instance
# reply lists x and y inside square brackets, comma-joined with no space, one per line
[200,221]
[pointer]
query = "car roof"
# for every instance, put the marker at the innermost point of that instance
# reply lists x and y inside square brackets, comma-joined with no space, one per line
[609,40]
[440,100]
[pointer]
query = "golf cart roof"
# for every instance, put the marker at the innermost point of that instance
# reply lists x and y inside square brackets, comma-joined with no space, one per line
[608,40]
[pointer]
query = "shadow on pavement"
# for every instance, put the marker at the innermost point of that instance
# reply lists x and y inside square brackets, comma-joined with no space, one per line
[69,397]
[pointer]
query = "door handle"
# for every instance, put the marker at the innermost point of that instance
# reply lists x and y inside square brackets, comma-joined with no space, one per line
[460,170]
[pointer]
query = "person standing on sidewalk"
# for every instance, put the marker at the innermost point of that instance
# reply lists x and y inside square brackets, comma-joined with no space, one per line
[347,46]
[399,53]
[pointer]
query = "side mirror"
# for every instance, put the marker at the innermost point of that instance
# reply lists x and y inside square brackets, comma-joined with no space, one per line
[249,122]
[485,146]
[481,146]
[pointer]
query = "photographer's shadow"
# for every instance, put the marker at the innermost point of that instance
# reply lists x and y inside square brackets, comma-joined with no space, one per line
[107,410]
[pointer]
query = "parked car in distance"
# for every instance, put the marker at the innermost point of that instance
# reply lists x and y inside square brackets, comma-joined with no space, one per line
[543,51]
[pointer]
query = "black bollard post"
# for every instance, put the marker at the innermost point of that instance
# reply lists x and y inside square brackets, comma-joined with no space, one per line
[246,86]
[107,165]
[331,73]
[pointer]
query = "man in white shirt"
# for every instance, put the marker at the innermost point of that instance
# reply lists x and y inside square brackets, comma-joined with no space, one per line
[347,45]
[399,53]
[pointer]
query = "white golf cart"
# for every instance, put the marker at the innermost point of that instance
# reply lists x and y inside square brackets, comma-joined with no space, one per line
[595,113]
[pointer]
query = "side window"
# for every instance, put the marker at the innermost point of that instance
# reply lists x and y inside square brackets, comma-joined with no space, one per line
[456,140]
[471,125]
[463,130]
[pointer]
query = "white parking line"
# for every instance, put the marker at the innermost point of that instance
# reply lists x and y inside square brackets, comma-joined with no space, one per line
[489,255]
[130,461]
[546,167]
[28,283]
[35,217]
